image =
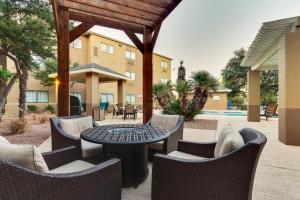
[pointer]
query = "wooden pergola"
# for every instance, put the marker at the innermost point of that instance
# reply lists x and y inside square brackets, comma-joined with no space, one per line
[131,16]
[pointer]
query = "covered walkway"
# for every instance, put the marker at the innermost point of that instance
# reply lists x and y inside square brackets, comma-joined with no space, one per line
[277,47]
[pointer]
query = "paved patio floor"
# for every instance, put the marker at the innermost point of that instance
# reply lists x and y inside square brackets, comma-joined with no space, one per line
[278,172]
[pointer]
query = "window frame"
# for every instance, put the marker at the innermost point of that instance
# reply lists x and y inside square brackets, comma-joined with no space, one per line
[36,99]
[106,94]
[130,95]
[131,73]
[130,54]
[165,66]
[107,48]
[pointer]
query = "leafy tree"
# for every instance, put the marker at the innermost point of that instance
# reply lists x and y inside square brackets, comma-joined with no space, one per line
[204,83]
[269,82]
[42,74]
[162,92]
[234,75]
[26,35]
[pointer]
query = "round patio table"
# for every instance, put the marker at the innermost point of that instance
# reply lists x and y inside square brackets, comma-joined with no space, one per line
[127,142]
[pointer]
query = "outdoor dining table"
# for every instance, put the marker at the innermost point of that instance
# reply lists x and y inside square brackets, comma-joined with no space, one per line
[128,142]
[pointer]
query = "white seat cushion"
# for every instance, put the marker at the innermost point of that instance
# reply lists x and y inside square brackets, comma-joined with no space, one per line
[75,166]
[186,156]
[3,139]
[90,149]
[76,126]
[167,122]
[27,156]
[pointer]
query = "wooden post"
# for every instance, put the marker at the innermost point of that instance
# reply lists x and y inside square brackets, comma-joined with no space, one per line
[147,75]
[63,99]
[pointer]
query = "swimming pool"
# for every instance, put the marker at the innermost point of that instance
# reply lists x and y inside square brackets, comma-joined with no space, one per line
[226,113]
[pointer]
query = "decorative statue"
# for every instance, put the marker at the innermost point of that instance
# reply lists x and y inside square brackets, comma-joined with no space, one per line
[181,71]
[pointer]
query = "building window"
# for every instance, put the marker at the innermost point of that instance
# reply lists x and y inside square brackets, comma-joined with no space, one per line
[76,44]
[164,80]
[106,98]
[78,95]
[164,64]
[130,98]
[130,55]
[107,48]
[33,96]
[130,75]
[96,51]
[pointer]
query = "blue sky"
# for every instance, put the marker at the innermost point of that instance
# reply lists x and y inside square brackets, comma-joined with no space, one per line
[204,33]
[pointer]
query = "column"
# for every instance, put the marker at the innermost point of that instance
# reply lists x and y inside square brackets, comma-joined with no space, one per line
[63,98]
[92,92]
[121,95]
[253,113]
[289,95]
[147,76]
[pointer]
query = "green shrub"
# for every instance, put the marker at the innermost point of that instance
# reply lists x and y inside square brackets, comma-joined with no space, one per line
[268,99]
[32,108]
[175,109]
[50,109]
[243,107]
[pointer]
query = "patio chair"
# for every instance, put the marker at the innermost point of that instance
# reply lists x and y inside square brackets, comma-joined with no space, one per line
[65,131]
[117,111]
[65,177]
[209,171]
[270,111]
[174,124]
[130,111]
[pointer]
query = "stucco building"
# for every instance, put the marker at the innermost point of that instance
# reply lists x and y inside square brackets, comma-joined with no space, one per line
[116,65]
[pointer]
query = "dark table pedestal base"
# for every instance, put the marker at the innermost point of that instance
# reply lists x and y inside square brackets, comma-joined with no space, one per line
[133,160]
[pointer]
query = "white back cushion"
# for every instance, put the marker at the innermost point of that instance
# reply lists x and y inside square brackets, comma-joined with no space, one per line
[3,139]
[228,141]
[75,126]
[167,122]
[27,156]
[231,143]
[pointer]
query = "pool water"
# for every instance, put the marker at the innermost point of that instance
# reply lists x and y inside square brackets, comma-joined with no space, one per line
[226,113]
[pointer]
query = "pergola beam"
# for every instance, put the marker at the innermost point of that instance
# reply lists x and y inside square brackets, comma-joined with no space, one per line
[117,8]
[105,21]
[79,30]
[140,5]
[155,36]
[105,13]
[132,36]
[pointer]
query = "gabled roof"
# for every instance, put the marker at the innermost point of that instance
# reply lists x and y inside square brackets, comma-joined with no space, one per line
[266,41]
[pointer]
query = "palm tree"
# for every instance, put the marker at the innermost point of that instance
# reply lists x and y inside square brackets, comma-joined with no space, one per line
[203,83]
[162,92]
[183,87]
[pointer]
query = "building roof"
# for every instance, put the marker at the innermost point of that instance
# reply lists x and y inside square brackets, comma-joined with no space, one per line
[124,43]
[105,74]
[218,89]
[264,48]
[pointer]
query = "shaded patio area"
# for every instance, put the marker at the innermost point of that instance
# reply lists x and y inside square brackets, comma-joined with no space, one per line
[278,171]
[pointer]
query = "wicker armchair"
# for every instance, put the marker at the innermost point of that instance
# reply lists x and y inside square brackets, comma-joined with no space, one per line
[102,181]
[61,139]
[229,177]
[170,144]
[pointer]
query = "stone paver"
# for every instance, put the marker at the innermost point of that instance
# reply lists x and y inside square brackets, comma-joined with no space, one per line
[278,172]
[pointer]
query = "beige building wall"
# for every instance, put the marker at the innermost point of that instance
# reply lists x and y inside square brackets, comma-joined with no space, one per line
[90,52]
[218,101]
